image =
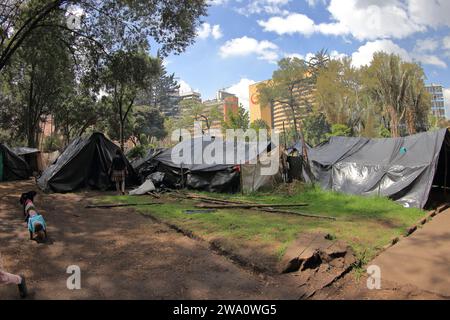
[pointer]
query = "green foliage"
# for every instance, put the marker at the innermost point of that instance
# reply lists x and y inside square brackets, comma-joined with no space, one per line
[148,123]
[340,130]
[259,124]
[39,78]
[239,120]
[316,128]
[290,87]
[106,26]
[137,152]
[384,133]
[126,74]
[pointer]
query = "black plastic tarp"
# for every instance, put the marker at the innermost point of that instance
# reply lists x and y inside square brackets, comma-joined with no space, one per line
[83,164]
[400,168]
[12,166]
[198,173]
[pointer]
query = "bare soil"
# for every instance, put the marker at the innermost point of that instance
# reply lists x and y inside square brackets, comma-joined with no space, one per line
[122,255]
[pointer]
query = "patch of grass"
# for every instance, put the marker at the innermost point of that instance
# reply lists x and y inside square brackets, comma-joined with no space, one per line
[365,223]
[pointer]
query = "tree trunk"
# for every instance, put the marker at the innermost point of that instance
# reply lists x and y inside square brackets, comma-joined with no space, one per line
[411,121]
[394,122]
[121,134]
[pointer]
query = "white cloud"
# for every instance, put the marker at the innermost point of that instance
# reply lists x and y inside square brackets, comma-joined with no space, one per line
[447,102]
[363,19]
[294,23]
[245,46]
[429,59]
[433,13]
[426,45]
[364,55]
[206,30]
[184,87]
[334,55]
[264,6]
[217,2]
[313,3]
[241,90]
[446,43]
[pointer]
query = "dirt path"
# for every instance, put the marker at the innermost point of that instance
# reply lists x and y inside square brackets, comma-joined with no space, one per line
[418,267]
[122,255]
[423,259]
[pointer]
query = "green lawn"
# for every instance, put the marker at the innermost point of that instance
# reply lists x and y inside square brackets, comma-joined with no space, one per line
[366,223]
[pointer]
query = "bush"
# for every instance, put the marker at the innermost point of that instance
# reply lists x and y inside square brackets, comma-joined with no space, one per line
[340,130]
[137,152]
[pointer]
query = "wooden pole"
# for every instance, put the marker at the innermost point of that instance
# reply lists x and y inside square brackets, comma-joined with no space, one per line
[446,168]
[241,179]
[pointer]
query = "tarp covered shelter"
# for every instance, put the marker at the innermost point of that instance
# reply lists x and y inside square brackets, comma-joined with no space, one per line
[12,167]
[222,176]
[83,164]
[404,169]
[32,157]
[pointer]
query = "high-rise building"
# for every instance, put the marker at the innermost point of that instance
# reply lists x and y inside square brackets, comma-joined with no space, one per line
[220,107]
[437,100]
[191,96]
[277,116]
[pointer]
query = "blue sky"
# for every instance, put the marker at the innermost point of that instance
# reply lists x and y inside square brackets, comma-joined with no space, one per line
[240,41]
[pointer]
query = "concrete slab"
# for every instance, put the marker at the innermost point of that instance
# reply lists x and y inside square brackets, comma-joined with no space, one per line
[422,259]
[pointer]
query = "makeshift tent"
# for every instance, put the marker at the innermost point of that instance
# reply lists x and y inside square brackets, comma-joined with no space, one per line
[32,157]
[221,175]
[403,169]
[12,167]
[83,164]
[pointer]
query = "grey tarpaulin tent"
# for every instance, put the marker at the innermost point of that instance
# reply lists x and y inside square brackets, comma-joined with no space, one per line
[197,174]
[12,167]
[83,164]
[403,169]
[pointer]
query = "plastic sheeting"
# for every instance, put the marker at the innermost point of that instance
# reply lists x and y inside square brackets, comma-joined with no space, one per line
[197,174]
[83,164]
[13,167]
[147,186]
[400,168]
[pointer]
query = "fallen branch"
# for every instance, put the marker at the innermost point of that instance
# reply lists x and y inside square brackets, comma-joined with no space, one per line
[298,214]
[120,205]
[249,205]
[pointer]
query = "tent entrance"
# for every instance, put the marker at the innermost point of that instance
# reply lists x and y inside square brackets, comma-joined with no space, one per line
[440,191]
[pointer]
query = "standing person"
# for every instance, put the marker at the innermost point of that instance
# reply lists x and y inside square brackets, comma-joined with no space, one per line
[8,278]
[119,172]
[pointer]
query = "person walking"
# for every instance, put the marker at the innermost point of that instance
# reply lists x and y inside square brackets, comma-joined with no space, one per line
[119,172]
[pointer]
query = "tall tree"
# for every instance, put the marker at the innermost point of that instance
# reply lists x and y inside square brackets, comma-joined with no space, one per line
[341,96]
[125,75]
[290,87]
[148,124]
[162,93]
[39,78]
[237,120]
[105,24]
[393,79]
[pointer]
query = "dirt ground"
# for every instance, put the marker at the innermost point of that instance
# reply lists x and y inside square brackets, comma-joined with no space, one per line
[122,255]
